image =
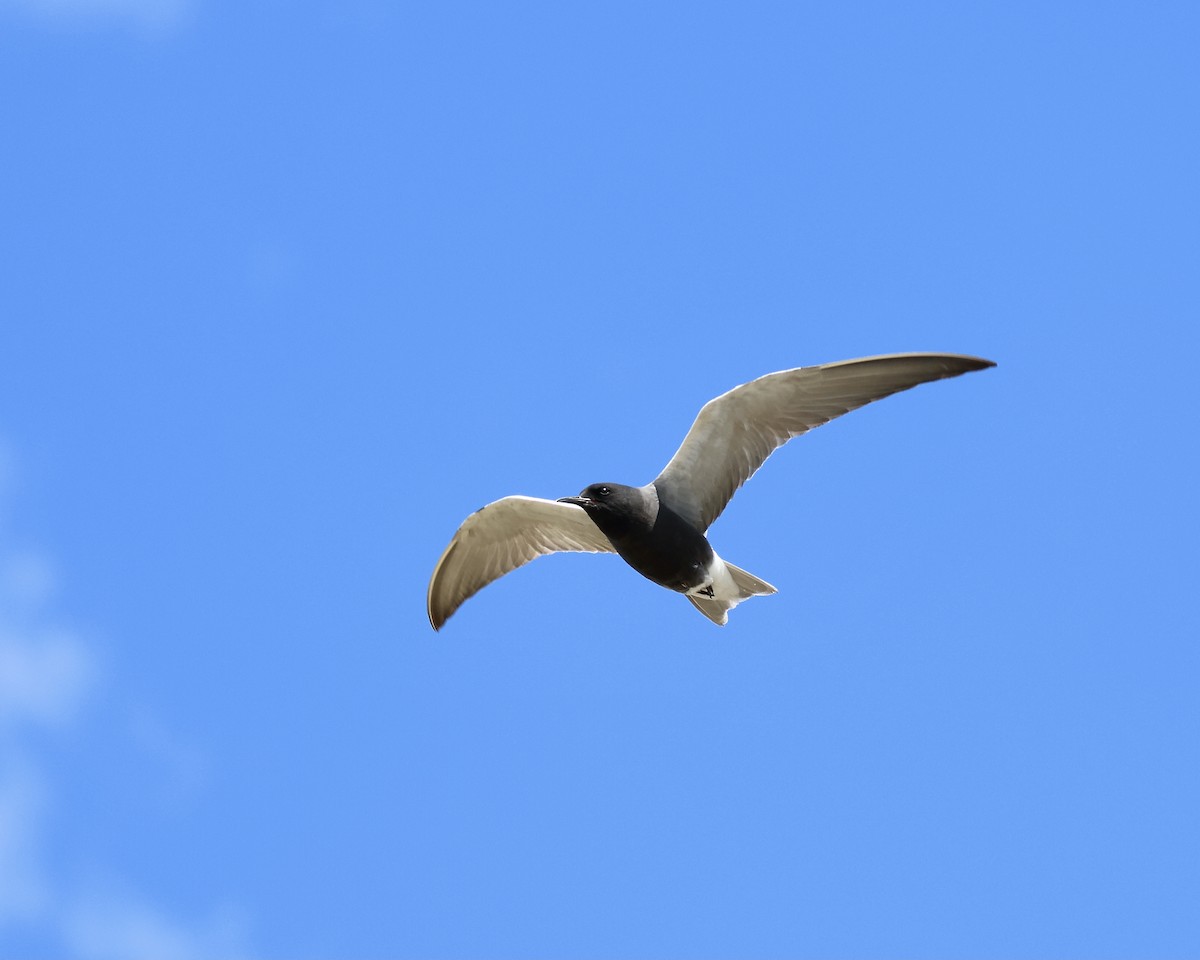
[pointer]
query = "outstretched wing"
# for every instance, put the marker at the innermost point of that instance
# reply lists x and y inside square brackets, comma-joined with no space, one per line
[737,431]
[501,537]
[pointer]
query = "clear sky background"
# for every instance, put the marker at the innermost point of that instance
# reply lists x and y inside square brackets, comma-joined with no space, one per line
[290,289]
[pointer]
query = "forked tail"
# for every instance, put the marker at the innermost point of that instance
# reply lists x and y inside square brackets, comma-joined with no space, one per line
[744,585]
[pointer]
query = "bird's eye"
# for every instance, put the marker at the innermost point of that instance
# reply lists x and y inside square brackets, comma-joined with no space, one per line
[604,491]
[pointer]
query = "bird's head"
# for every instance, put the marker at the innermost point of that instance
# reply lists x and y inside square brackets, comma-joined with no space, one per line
[614,505]
[604,496]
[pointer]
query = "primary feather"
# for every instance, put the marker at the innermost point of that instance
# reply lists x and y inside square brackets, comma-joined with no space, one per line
[500,537]
[734,433]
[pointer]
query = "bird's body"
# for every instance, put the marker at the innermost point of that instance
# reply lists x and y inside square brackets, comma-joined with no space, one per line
[659,529]
[664,547]
[648,535]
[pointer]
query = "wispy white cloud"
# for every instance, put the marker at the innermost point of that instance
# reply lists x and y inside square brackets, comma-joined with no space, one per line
[152,15]
[48,674]
[45,672]
[44,675]
[23,893]
[110,926]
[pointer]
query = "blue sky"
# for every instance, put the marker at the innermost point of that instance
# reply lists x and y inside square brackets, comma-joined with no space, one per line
[289,290]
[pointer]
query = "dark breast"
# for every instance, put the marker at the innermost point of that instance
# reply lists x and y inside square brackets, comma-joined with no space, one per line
[673,554]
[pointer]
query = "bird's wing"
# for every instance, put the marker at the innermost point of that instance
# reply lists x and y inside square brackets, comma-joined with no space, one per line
[501,537]
[734,433]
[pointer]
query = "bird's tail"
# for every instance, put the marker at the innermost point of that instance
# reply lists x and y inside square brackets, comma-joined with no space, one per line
[745,585]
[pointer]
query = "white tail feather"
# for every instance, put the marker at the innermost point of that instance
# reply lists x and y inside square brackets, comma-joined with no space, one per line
[730,586]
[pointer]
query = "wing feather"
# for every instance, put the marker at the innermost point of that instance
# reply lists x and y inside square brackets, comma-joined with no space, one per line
[734,433]
[500,537]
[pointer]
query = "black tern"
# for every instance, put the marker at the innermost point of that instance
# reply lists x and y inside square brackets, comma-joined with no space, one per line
[659,529]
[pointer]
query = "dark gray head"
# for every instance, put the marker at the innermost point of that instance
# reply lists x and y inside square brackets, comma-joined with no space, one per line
[616,508]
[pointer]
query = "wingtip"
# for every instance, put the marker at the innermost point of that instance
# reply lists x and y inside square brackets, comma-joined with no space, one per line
[437,617]
[437,614]
[961,363]
[968,362]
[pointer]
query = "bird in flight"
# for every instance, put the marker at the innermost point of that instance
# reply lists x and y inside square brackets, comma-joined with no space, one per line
[659,529]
